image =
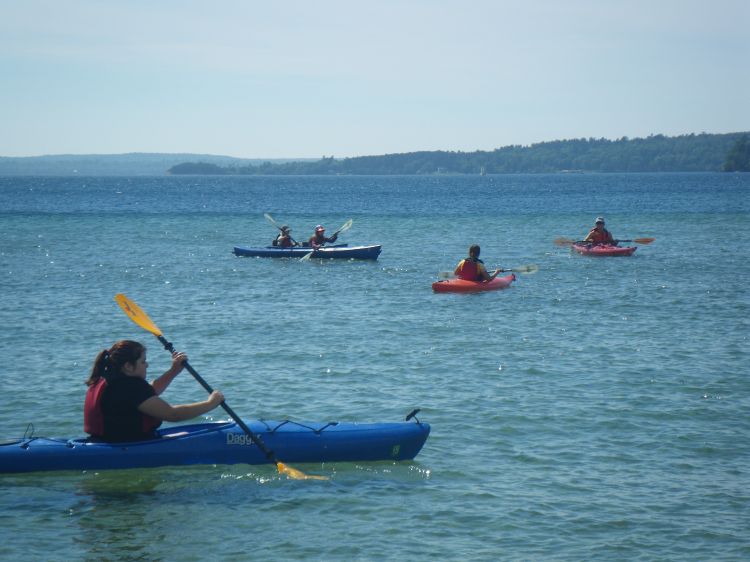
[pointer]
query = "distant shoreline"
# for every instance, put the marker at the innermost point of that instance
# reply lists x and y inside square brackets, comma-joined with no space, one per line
[657,153]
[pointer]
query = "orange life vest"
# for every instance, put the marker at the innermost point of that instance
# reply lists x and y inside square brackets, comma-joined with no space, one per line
[470,269]
[598,237]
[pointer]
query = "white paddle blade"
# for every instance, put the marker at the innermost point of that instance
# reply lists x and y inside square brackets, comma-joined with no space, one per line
[347,225]
[269,218]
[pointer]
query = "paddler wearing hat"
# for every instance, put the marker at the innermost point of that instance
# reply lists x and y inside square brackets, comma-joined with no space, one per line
[319,237]
[600,235]
[284,238]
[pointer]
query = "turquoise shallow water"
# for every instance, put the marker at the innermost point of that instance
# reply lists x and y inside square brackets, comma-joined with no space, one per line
[595,410]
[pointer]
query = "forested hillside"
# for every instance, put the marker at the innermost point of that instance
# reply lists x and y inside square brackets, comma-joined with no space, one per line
[657,153]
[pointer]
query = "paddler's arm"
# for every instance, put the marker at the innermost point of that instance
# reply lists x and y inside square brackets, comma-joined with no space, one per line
[486,277]
[159,409]
[178,364]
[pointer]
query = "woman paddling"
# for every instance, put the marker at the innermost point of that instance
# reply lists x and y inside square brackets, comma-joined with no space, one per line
[472,268]
[122,406]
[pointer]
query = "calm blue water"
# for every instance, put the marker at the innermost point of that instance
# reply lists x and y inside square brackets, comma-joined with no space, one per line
[595,410]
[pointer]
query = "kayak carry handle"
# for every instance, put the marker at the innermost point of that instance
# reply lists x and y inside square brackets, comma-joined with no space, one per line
[413,414]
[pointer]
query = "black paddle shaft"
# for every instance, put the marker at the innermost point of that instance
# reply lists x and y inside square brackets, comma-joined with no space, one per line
[249,432]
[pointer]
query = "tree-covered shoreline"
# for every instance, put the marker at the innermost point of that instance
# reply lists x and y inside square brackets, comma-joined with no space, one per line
[657,153]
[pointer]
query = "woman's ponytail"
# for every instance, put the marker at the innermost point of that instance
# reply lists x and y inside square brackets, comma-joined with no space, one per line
[109,362]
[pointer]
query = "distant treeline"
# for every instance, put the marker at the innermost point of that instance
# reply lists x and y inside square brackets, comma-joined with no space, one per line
[656,153]
[133,164]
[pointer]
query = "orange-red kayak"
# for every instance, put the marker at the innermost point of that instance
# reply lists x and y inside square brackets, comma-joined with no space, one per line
[604,250]
[464,286]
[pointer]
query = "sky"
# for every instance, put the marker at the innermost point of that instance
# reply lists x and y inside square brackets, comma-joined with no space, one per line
[342,78]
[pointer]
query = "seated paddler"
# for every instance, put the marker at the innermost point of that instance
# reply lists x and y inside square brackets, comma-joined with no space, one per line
[284,238]
[472,268]
[599,235]
[121,405]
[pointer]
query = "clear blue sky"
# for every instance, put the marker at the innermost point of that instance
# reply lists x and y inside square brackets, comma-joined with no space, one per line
[310,78]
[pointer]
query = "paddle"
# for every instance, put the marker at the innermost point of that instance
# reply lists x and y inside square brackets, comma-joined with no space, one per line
[523,269]
[137,315]
[346,226]
[569,242]
[269,218]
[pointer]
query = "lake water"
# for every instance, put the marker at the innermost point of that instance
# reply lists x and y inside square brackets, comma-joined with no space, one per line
[597,410]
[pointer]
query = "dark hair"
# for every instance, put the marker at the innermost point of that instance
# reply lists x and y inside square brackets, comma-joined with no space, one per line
[110,361]
[474,250]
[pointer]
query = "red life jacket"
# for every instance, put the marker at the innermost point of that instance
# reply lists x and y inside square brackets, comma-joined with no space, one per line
[93,417]
[469,269]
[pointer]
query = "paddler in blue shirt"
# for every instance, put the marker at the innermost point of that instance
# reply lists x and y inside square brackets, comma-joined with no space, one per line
[472,268]
[319,237]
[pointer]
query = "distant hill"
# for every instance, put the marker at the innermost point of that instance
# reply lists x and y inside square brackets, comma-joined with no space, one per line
[656,153]
[133,164]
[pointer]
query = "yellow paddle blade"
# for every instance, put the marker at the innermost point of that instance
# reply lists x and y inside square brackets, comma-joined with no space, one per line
[564,242]
[644,240]
[136,314]
[295,474]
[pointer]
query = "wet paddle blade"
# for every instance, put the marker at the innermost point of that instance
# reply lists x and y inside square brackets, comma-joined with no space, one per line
[295,474]
[643,240]
[136,314]
[347,225]
[525,269]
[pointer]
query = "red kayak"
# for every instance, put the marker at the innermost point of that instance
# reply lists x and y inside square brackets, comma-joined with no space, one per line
[464,286]
[604,250]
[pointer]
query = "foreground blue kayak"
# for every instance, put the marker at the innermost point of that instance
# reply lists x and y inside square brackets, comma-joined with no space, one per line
[341,251]
[222,443]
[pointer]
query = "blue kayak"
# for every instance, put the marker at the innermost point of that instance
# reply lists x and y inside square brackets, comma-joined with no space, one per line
[341,251]
[222,443]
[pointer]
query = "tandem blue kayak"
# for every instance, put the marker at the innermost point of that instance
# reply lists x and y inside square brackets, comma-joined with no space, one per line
[223,443]
[341,251]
